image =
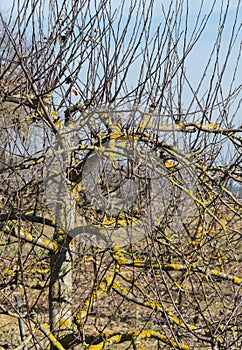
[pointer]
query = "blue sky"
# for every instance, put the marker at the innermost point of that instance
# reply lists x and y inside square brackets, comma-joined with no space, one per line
[198,58]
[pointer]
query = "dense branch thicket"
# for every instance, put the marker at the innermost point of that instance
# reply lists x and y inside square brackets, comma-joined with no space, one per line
[120,174]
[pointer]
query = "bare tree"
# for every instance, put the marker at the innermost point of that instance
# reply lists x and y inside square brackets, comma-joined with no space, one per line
[119,155]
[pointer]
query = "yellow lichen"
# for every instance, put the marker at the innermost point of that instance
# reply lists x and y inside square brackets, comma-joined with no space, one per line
[63,323]
[114,136]
[237,280]
[169,165]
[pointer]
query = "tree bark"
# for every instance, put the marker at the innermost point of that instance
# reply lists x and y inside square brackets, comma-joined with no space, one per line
[61,262]
[60,289]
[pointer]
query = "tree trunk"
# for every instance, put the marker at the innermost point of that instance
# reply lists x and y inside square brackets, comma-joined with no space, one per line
[60,289]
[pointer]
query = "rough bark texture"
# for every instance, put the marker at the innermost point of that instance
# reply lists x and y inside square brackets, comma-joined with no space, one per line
[61,263]
[60,290]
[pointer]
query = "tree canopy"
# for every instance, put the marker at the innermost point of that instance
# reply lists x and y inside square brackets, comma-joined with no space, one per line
[120,173]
